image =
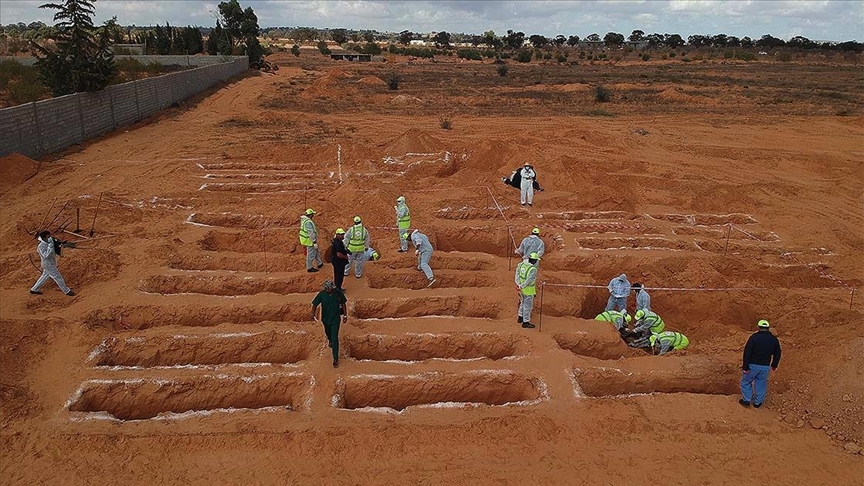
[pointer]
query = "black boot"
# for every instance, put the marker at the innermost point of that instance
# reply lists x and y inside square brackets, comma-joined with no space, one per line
[528,325]
[519,320]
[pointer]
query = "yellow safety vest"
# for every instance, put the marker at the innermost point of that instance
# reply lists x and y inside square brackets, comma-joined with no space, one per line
[305,240]
[524,270]
[655,322]
[609,316]
[357,241]
[678,340]
[404,222]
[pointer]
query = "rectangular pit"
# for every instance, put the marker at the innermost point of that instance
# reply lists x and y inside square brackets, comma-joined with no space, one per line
[416,280]
[706,219]
[276,347]
[421,347]
[231,285]
[230,312]
[477,388]
[585,215]
[257,166]
[235,261]
[274,176]
[443,261]
[262,187]
[431,306]
[634,244]
[606,345]
[143,399]
[242,221]
[658,374]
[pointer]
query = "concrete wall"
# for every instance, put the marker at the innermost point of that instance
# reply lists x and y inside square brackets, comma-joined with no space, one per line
[181,60]
[39,128]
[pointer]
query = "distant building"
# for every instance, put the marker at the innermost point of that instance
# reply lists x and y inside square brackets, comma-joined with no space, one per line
[640,44]
[351,56]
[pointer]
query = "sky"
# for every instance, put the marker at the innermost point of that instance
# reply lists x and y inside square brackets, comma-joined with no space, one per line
[837,20]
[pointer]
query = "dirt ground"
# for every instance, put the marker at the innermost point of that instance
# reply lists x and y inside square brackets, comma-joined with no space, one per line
[188,355]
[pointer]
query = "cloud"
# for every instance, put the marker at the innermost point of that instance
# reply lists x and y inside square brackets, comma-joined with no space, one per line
[816,19]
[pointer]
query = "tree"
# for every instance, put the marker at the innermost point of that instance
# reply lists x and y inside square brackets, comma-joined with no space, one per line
[217,42]
[733,41]
[770,41]
[514,40]
[369,36]
[801,42]
[559,40]
[593,38]
[307,34]
[295,50]
[405,37]
[636,36]
[654,40]
[720,40]
[699,40]
[339,36]
[242,24]
[746,42]
[613,39]
[442,40]
[82,58]
[673,40]
[538,41]
[572,40]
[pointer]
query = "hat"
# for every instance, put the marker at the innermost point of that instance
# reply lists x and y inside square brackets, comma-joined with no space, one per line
[640,314]
[763,324]
[310,212]
[534,256]
[340,231]
[535,231]
[329,285]
[627,317]
[400,199]
[527,164]
[375,256]
[356,219]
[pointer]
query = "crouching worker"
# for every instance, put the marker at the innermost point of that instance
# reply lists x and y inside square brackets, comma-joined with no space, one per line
[663,343]
[619,319]
[647,323]
[49,248]
[332,302]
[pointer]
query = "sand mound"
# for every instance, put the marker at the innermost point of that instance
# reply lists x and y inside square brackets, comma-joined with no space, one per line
[15,169]
[372,81]
[405,100]
[414,141]
[673,95]
[574,87]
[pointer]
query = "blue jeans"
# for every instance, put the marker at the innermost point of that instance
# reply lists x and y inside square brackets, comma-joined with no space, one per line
[758,378]
[616,303]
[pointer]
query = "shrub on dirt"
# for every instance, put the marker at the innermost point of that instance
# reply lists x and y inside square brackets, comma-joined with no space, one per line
[602,94]
[745,56]
[547,56]
[295,50]
[783,57]
[323,49]
[523,56]
[599,112]
[561,58]
[685,59]
[538,55]
[469,54]
[646,57]
[393,81]
[505,55]
[502,70]
[672,54]
[445,122]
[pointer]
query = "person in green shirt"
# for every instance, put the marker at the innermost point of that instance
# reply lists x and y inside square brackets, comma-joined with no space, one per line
[332,302]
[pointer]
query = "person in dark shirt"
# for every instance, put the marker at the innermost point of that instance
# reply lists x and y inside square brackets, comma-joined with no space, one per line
[761,354]
[339,258]
[332,302]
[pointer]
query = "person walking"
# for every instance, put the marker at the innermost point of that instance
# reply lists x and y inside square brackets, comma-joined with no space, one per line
[423,250]
[761,354]
[532,244]
[309,240]
[619,289]
[358,243]
[526,187]
[403,221]
[339,258]
[332,302]
[48,249]
[526,286]
[643,300]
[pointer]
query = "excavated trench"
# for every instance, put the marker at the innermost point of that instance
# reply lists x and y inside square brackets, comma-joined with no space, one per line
[243,221]
[257,166]
[438,389]
[415,280]
[421,347]
[248,241]
[468,213]
[494,240]
[706,219]
[431,306]
[635,243]
[299,176]
[600,345]
[147,316]
[614,227]
[586,215]
[229,285]
[145,399]
[250,262]
[720,233]
[263,187]
[278,347]
[673,375]
[442,261]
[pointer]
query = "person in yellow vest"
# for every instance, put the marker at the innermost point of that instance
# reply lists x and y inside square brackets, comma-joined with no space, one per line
[403,221]
[358,243]
[619,319]
[667,341]
[526,286]
[647,323]
[309,239]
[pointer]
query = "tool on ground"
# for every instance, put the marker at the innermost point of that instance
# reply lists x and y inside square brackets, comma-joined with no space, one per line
[93,226]
[42,224]
[56,217]
[77,221]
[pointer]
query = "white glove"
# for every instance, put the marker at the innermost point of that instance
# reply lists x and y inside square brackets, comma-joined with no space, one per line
[315,245]
[416,252]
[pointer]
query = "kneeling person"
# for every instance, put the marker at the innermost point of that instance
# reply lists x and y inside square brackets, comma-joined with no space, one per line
[664,342]
[620,319]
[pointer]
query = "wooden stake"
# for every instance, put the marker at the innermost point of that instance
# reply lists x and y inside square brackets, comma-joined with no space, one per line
[728,232]
[42,224]
[92,226]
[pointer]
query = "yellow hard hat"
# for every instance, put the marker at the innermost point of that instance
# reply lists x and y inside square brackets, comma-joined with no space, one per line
[340,231]
[640,314]
[535,231]
[310,212]
[400,199]
[627,317]
[356,219]
[763,324]
[534,256]
[375,256]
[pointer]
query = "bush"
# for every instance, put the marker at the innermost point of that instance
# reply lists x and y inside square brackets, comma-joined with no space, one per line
[672,54]
[784,57]
[502,70]
[685,59]
[599,112]
[25,92]
[646,57]
[323,49]
[547,56]
[728,54]
[489,54]
[445,123]
[505,55]
[538,55]
[469,54]
[603,56]
[561,58]
[393,81]
[523,56]
[295,50]
[745,56]
[371,48]
[602,94]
